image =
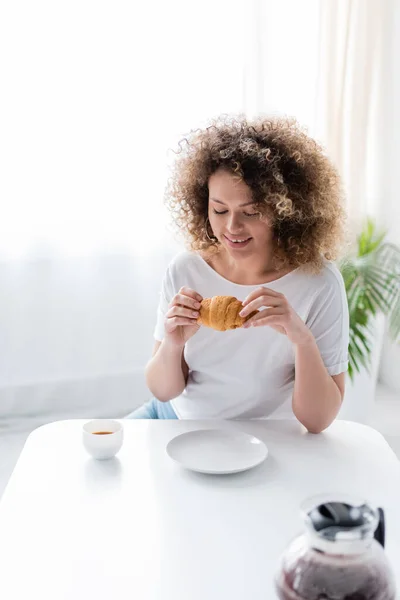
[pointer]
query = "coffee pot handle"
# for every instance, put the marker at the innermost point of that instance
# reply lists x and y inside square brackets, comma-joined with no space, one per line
[379,534]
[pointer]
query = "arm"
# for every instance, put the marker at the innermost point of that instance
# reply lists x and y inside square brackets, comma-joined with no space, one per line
[167,371]
[317,396]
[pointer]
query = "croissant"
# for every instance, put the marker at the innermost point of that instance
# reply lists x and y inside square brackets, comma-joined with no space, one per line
[222,313]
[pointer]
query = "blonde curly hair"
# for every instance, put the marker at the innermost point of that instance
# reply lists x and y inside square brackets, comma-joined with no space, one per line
[293,183]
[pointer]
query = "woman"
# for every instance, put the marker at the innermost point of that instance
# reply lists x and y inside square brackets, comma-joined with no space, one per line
[261,206]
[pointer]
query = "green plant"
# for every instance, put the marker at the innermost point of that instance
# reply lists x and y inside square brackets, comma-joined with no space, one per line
[372,281]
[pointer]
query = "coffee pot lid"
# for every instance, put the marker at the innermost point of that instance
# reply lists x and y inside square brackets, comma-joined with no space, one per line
[344,519]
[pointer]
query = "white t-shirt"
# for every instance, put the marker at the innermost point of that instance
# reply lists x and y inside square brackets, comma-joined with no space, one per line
[249,373]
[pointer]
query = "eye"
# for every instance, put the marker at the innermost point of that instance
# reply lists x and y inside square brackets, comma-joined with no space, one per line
[222,212]
[256,214]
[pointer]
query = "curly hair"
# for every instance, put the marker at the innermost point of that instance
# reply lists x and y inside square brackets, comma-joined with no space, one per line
[293,183]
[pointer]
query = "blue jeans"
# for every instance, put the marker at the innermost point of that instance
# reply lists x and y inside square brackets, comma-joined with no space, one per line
[153,409]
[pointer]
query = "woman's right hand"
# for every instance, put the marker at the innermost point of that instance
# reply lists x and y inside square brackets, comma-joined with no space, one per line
[181,318]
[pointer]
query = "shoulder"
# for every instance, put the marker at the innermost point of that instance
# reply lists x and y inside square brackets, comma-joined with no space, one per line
[183,262]
[316,292]
[329,279]
[328,290]
[186,269]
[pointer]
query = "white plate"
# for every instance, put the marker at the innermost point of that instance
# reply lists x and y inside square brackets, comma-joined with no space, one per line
[217,451]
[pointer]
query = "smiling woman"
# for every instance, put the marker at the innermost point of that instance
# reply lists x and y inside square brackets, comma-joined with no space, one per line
[234,171]
[261,207]
[224,210]
[235,220]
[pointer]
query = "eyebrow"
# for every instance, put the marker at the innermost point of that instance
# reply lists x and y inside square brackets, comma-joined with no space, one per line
[220,202]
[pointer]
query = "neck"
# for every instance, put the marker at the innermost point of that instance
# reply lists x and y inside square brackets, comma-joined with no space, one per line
[246,271]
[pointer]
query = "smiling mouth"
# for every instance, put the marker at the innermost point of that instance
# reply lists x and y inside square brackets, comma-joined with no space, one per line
[239,241]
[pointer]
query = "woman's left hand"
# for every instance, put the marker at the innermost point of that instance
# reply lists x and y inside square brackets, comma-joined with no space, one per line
[277,314]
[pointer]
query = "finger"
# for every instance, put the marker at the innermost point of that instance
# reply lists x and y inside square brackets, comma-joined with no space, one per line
[273,320]
[259,303]
[186,291]
[179,321]
[182,300]
[180,311]
[261,291]
[267,313]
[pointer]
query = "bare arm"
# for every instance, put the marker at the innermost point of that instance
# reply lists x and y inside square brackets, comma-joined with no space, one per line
[167,371]
[317,396]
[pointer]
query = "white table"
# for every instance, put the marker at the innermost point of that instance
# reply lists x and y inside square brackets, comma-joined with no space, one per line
[140,527]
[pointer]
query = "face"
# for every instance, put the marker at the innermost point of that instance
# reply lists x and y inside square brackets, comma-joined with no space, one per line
[234,218]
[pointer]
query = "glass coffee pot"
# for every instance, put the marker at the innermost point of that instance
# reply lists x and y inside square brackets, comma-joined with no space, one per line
[340,556]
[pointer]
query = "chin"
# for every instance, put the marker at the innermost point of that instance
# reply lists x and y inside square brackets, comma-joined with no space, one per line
[240,254]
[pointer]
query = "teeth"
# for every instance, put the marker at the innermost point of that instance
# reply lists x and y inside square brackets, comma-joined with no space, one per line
[239,241]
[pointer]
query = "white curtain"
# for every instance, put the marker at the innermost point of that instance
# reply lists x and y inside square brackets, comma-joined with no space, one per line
[331,63]
[281,64]
[352,98]
[357,120]
[93,97]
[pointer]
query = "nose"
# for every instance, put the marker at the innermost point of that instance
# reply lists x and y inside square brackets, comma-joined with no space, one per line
[234,224]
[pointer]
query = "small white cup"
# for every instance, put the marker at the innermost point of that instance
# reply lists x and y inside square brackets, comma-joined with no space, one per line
[103,445]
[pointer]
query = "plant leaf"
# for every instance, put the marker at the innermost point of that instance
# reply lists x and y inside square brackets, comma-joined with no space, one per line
[371,277]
